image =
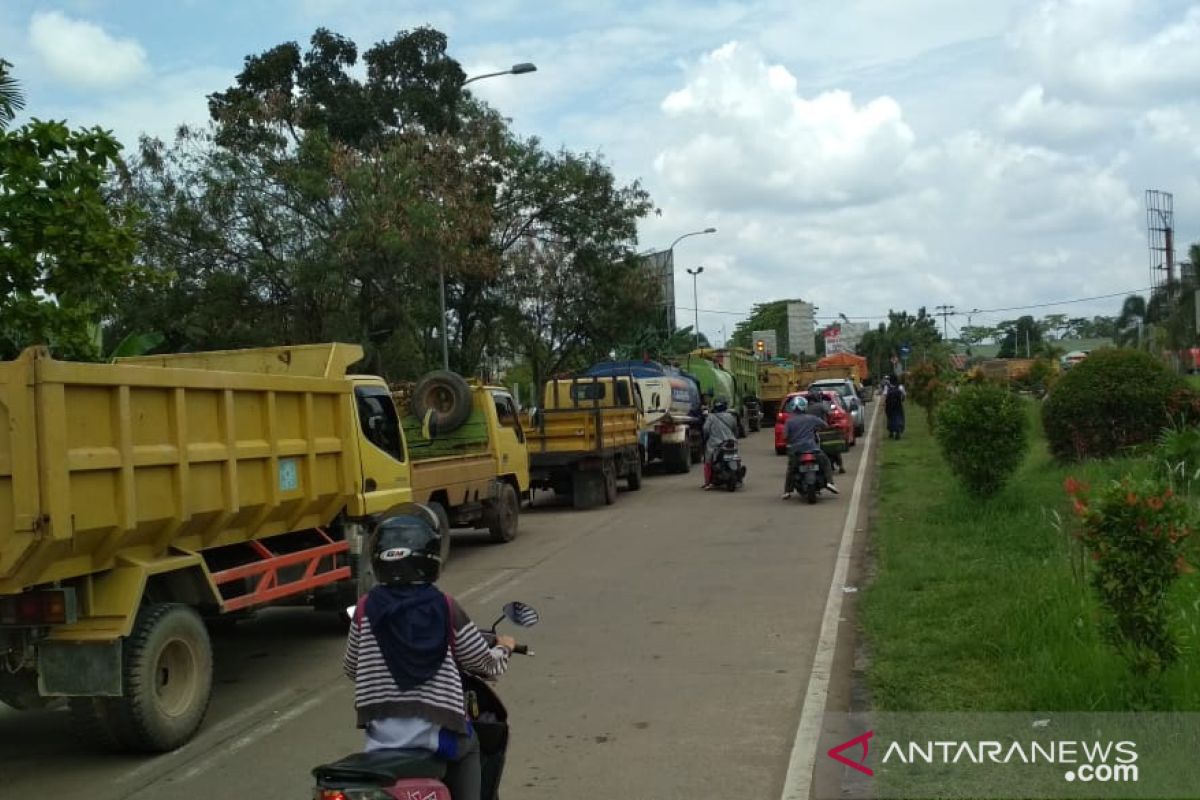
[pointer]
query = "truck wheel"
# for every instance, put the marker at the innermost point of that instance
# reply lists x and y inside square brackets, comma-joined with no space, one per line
[444,526]
[610,485]
[447,395]
[167,679]
[587,490]
[633,478]
[504,516]
[677,458]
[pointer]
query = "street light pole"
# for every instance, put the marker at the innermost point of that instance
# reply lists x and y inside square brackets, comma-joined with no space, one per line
[516,69]
[696,303]
[671,250]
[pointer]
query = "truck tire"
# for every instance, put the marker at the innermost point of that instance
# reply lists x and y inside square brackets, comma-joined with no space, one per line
[167,680]
[444,526]
[678,458]
[504,516]
[447,395]
[587,490]
[633,478]
[610,484]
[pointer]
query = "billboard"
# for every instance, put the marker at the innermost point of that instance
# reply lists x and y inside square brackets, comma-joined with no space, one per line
[660,267]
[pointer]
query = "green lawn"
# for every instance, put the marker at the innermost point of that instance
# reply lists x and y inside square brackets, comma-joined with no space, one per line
[977,605]
[1194,380]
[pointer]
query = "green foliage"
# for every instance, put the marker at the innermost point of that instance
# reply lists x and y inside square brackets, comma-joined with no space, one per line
[1114,399]
[770,316]
[322,203]
[68,242]
[1135,532]
[1178,456]
[1022,338]
[135,344]
[983,434]
[920,332]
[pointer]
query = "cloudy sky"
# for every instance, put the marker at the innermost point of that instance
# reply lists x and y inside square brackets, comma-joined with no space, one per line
[866,155]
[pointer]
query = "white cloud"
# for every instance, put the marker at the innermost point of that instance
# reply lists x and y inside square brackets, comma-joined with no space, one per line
[1117,51]
[1175,126]
[750,139]
[82,53]
[1045,119]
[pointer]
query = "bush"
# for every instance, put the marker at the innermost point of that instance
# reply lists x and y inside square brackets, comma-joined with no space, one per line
[1114,399]
[1135,533]
[983,434]
[927,389]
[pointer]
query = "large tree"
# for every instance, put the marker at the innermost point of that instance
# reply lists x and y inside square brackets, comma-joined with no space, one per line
[1022,337]
[920,332]
[67,236]
[324,204]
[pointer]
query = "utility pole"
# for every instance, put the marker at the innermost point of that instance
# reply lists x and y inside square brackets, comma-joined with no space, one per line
[944,312]
[1028,350]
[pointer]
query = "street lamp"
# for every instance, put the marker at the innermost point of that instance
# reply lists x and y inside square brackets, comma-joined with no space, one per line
[671,250]
[695,302]
[516,69]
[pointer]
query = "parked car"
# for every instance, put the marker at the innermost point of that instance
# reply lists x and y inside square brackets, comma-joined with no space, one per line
[838,417]
[845,388]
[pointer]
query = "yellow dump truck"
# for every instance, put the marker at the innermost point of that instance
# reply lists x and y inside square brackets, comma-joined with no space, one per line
[476,475]
[140,497]
[775,382]
[585,437]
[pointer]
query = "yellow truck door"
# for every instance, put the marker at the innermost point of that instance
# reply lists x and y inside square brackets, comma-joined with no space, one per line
[386,473]
[512,454]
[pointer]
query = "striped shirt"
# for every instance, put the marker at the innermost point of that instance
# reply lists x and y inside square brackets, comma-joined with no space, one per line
[440,699]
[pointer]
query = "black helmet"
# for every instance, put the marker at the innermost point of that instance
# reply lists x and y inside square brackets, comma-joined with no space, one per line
[407,548]
[720,406]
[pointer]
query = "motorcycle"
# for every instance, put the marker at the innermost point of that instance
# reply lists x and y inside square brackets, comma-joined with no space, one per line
[416,774]
[809,479]
[728,470]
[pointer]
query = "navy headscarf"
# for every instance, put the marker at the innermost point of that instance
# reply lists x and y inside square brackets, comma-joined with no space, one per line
[412,626]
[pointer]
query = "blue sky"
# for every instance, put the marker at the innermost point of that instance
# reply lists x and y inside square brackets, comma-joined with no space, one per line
[869,154]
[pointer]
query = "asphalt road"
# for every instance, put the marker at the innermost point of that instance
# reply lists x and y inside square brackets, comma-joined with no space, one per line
[677,639]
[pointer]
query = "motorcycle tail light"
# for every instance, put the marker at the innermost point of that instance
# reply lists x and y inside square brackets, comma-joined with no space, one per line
[352,794]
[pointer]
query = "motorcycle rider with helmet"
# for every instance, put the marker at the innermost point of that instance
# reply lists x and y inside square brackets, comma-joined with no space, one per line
[800,432]
[719,426]
[408,644]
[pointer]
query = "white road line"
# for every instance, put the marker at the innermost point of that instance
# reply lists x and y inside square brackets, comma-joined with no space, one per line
[256,733]
[210,737]
[798,784]
[479,587]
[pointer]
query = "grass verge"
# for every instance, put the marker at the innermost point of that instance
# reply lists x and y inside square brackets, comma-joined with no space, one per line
[982,606]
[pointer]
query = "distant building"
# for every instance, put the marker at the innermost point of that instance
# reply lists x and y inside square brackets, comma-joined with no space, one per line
[802,328]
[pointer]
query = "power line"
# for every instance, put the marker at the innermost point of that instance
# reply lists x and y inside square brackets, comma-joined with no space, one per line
[873,317]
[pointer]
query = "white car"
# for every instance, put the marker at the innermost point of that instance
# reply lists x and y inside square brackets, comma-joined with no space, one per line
[845,387]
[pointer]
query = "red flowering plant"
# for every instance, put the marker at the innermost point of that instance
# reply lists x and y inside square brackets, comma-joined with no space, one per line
[1135,533]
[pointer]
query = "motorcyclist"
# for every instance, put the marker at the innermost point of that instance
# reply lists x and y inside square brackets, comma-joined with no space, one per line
[719,426]
[819,406]
[408,644]
[800,431]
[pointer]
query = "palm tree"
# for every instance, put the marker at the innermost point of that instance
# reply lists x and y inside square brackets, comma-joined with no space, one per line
[11,98]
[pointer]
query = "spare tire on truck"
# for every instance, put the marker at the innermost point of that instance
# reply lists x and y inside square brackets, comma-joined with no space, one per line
[447,395]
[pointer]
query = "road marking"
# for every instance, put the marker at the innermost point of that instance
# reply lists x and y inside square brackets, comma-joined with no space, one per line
[263,729]
[479,587]
[798,783]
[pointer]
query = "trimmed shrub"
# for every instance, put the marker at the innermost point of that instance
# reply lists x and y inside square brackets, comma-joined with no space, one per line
[983,434]
[927,389]
[1114,399]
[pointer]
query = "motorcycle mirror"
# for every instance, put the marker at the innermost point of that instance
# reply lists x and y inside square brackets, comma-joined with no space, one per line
[521,614]
[350,611]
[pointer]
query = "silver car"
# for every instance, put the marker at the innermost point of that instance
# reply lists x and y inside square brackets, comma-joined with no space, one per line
[845,387]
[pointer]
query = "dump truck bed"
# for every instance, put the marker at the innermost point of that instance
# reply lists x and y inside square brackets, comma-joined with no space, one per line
[184,453]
